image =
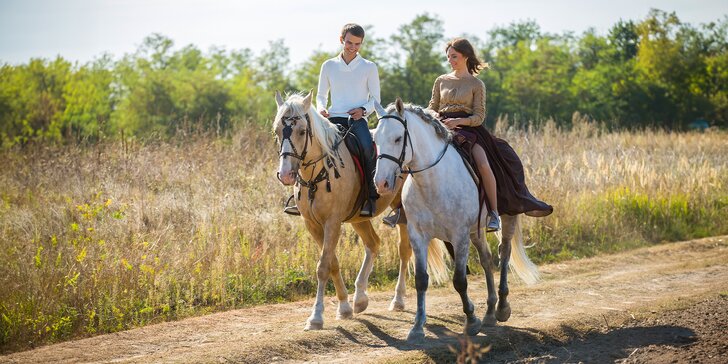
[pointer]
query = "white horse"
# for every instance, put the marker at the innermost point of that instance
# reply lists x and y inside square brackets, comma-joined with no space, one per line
[441,201]
[313,158]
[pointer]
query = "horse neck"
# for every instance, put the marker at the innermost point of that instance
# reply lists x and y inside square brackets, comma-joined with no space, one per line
[314,152]
[426,144]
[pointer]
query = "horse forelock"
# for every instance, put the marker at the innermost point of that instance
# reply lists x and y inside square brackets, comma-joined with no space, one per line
[427,116]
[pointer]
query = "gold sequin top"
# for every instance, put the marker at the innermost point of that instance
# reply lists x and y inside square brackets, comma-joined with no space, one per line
[464,94]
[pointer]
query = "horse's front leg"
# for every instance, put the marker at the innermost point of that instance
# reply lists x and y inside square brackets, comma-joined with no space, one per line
[422,280]
[485,261]
[371,244]
[329,236]
[344,311]
[460,282]
[405,252]
[503,311]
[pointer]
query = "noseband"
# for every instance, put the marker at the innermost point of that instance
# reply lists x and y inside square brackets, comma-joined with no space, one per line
[400,160]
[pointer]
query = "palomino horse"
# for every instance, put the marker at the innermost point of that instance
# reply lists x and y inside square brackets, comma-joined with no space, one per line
[327,182]
[441,200]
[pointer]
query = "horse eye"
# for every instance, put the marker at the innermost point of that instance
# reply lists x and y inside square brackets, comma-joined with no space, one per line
[302,133]
[399,139]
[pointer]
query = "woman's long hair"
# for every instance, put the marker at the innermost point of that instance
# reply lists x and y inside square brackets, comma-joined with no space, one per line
[463,46]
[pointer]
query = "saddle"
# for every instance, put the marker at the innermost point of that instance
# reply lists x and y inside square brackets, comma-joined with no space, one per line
[468,161]
[353,144]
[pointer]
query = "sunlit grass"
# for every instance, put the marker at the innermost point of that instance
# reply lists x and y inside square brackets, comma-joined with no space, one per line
[105,237]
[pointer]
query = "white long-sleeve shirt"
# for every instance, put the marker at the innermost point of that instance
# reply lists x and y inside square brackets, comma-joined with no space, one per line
[352,85]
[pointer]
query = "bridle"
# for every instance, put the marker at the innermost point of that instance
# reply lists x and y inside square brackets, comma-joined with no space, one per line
[400,160]
[323,174]
[288,131]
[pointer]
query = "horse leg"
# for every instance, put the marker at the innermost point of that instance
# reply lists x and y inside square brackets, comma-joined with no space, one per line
[371,244]
[485,261]
[405,252]
[419,248]
[503,311]
[330,236]
[344,311]
[460,282]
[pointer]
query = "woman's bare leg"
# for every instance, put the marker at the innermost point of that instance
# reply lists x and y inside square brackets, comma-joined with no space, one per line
[486,173]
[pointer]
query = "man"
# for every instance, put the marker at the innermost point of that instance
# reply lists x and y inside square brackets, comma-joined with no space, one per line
[354,86]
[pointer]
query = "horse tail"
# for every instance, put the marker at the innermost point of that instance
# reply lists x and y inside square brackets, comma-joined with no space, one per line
[436,266]
[519,262]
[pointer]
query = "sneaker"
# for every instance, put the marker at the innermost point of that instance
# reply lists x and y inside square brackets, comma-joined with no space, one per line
[393,218]
[292,210]
[494,223]
[368,209]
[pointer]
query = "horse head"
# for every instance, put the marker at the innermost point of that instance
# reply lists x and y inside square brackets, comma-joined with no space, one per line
[391,137]
[292,127]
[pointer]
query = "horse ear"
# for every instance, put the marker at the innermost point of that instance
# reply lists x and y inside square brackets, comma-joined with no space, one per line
[399,105]
[307,100]
[379,109]
[279,99]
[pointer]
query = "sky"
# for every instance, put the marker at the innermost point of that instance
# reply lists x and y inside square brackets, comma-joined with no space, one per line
[81,30]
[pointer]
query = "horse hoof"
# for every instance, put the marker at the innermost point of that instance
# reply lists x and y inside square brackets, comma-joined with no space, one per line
[361,305]
[503,313]
[416,336]
[473,328]
[345,314]
[396,306]
[313,325]
[489,320]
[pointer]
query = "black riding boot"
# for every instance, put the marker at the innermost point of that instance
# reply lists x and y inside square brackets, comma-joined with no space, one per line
[361,130]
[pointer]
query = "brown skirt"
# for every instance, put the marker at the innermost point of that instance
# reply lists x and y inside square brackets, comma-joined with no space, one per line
[513,196]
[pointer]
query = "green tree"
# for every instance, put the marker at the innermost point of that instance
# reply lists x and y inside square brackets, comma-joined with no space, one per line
[417,45]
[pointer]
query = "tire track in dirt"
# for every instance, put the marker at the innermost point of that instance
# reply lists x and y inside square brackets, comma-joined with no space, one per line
[579,298]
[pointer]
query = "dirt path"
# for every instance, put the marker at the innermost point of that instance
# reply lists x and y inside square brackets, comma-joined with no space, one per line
[659,304]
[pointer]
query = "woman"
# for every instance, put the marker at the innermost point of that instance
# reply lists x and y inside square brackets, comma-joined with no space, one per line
[458,98]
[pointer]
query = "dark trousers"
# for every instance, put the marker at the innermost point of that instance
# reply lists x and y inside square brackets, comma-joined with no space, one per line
[360,129]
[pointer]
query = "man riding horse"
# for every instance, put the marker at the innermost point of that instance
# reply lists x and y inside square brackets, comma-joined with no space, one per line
[354,86]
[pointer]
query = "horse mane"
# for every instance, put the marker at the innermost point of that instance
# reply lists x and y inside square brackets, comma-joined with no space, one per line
[324,131]
[427,116]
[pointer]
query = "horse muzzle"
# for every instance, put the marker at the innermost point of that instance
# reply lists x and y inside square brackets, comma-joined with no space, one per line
[287,178]
[385,186]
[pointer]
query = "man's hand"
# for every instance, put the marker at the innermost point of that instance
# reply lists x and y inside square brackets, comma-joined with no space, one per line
[324,113]
[356,113]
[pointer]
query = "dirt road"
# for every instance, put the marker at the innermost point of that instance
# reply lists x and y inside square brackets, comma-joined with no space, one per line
[660,304]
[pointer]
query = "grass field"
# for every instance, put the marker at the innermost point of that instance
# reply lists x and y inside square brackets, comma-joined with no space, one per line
[103,237]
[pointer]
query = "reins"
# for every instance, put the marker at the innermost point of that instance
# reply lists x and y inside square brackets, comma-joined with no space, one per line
[400,160]
[323,175]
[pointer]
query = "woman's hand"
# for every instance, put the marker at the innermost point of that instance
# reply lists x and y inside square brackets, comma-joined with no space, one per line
[453,123]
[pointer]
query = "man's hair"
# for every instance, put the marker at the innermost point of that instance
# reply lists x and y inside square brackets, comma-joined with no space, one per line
[353,29]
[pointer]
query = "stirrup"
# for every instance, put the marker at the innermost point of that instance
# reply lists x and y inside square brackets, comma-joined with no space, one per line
[367,212]
[291,210]
[393,218]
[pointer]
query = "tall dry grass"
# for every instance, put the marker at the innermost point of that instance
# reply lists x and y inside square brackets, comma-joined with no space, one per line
[104,237]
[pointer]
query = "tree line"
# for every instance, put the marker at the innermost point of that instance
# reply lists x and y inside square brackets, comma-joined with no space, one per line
[656,72]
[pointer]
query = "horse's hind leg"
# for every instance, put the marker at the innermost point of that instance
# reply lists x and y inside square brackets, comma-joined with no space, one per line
[503,311]
[405,252]
[485,261]
[371,243]
[460,282]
